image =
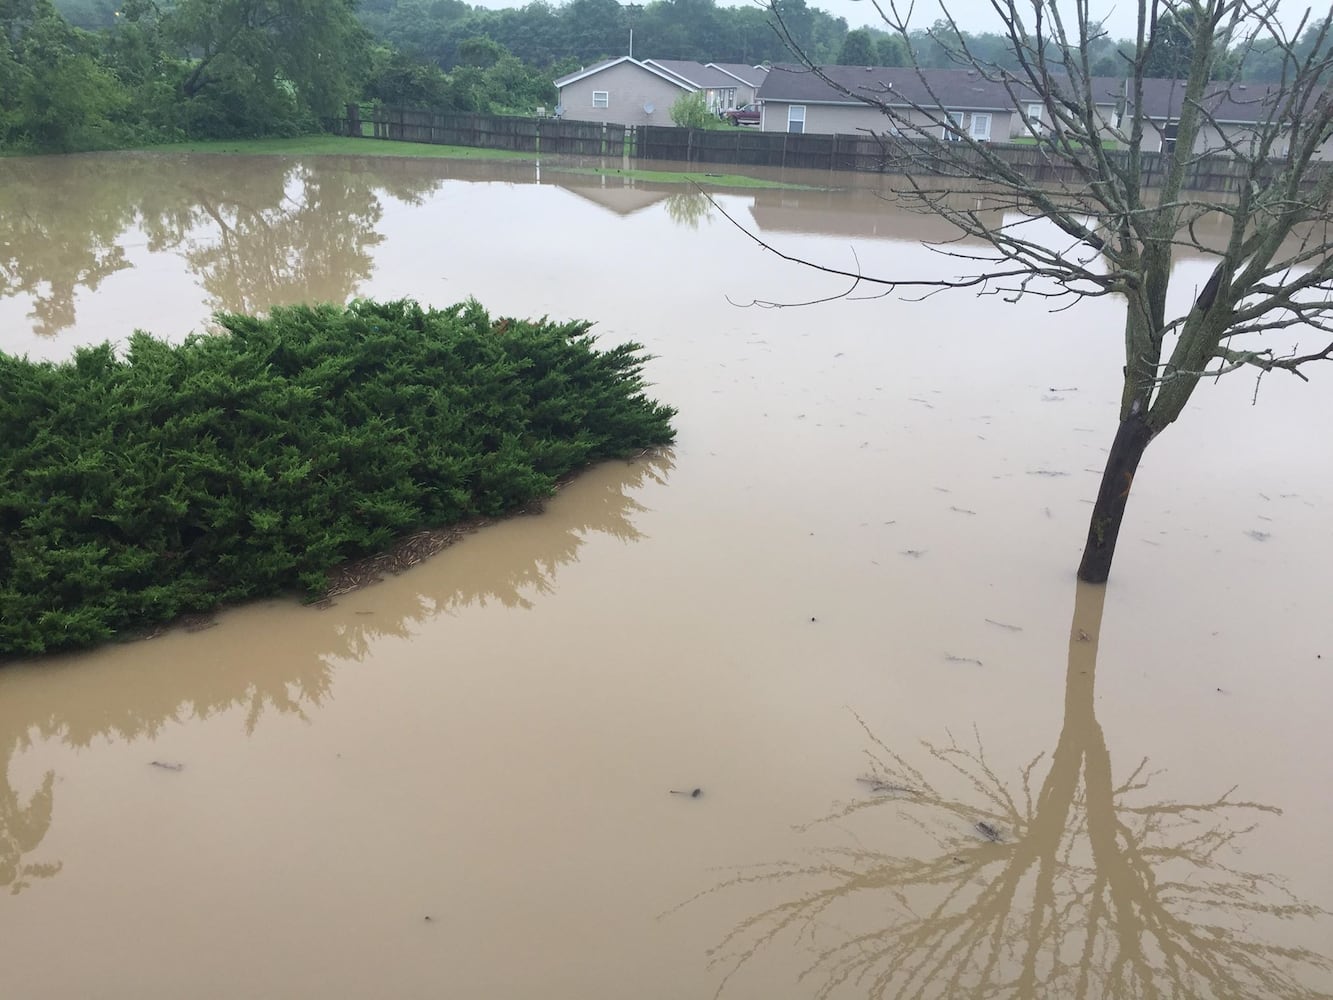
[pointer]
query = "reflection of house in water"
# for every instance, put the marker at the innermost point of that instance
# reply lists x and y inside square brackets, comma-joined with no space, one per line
[860,213]
[615,194]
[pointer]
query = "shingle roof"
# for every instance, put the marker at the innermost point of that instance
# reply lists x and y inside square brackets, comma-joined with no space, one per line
[1226,102]
[902,86]
[751,75]
[694,72]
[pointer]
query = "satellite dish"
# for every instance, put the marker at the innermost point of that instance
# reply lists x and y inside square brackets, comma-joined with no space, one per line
[559,110]
[648,108]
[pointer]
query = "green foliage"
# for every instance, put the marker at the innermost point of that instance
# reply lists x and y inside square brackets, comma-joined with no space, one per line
[230,467]
[858,49]
[691,111]
[54,94]
[248,60]
[396,79]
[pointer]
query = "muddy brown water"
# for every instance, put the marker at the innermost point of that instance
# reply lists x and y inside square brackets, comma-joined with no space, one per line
[856,563]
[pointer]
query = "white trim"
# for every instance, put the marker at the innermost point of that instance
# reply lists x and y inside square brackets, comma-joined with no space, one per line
[605,96]
[670,78]
[792,120]
[982,117]
[956,119]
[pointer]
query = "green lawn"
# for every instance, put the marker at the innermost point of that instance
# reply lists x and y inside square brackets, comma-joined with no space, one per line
[337,145]
[323,145]
[709,179]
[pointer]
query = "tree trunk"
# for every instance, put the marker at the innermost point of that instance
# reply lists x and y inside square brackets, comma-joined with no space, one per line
[1131,440]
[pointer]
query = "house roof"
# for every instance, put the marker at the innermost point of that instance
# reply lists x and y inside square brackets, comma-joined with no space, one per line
[902,86]
[751,76]
[1225,102]
[588,71]
[694,73]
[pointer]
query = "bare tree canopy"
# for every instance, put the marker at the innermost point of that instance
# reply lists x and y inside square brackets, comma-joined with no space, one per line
[1099,138]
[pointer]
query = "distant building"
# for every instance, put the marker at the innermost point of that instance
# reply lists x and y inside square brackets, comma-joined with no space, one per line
[1238,111]
[796,100]
[640,92]
[724,85]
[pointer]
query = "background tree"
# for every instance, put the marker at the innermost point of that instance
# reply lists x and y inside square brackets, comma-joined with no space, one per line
[256,66]
[1170,47]
[858,49]
[1106,233]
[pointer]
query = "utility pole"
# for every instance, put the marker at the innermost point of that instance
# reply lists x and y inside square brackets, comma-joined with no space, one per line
[631,12]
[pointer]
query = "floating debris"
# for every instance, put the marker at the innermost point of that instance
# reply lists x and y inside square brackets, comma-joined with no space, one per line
[991,833]
[166,765]
[962,659]
[1259,536]
[1011,628]
[962,510]
[914,553]
[1046,472]
[693,793]
[888,787]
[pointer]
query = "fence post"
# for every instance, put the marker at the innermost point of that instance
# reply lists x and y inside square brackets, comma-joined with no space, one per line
[354,119]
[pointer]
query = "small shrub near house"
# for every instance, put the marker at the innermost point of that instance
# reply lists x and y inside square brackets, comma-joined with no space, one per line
[691,111]
[177,478]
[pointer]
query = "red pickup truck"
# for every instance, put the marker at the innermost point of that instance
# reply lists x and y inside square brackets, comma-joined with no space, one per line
[746,114]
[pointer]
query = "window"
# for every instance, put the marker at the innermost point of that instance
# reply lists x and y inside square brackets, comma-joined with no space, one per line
[1169,138]
[1034,118]
[980,127]
[955,119]
[601,98]
[796,118]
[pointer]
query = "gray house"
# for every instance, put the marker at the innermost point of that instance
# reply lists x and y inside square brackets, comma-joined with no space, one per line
[1236,114]
[751,79]
[796,100]
[724,85]
[621,90]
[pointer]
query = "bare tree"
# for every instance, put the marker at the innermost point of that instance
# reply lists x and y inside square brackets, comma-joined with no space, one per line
[1076,884]
[1115,179]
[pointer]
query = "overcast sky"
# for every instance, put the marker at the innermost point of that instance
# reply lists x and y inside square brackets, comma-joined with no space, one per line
[1121,17]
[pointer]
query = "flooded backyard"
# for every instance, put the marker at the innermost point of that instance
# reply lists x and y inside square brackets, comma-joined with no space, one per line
[842,607]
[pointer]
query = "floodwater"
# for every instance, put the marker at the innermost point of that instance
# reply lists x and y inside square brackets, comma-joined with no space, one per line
[842,606]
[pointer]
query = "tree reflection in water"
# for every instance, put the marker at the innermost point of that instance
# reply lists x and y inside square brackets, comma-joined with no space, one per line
[688,208]
[258,231]
[141,687]
[1080,886]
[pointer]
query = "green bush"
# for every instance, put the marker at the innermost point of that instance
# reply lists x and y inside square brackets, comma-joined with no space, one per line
[236,466]
[691,111]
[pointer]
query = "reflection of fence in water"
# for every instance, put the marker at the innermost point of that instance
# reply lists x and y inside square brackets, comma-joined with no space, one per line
[862,152]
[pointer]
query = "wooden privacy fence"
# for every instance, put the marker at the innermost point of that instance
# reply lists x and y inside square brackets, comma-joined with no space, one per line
[549,136]
[897,155]
[749,147]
